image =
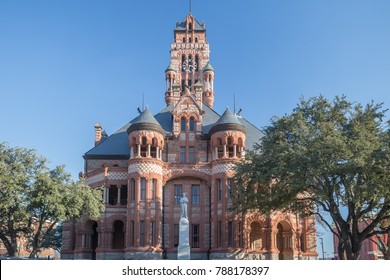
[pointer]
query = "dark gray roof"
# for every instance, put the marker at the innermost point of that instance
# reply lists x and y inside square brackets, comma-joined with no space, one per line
[182,26]
[145,117]
[117,144]
[228,117]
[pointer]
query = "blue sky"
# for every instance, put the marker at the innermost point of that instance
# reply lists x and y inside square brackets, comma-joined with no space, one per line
[65,65]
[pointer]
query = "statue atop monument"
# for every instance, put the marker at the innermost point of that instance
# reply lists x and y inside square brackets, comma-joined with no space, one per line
[183,202]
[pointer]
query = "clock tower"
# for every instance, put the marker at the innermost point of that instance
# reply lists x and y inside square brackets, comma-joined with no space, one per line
[190,66]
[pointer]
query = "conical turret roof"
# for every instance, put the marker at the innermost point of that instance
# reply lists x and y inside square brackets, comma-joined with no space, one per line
[208,67]
[228,121]
[145,121]
[170,68]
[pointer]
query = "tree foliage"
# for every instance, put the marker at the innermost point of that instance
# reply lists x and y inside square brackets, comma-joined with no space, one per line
[324,157]
[34,200]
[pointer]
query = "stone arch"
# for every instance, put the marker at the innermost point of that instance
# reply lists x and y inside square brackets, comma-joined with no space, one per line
[175,174]
[255,236]
[284,240]
[91,236]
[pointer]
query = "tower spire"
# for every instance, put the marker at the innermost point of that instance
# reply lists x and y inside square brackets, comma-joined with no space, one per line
[190,6]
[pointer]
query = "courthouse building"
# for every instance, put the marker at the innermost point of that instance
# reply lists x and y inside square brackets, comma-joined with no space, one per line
[187,147]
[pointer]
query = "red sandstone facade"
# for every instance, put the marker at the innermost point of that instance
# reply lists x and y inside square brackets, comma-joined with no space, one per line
[148,164]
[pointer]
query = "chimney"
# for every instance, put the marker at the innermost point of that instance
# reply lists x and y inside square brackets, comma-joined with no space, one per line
[98,133]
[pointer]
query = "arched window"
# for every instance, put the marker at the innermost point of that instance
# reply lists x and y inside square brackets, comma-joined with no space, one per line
[153,148]
[230,147]
[196,62]
[192,124]
[239,147]
[144,147]
[190,26]
[184,39]
[190,40]
[183,124]
[220,148]
[183,64]
[196,39]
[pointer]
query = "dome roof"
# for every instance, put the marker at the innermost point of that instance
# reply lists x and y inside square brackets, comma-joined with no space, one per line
[228,121]
[208,67]
[145,121]
[170,68]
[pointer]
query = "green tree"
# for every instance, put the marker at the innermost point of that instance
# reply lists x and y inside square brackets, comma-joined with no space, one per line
[325,158]
[35,199]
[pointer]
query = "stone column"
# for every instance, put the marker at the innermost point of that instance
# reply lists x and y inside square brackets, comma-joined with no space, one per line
[138,150]
[234,150]
[148,154]
[119,195]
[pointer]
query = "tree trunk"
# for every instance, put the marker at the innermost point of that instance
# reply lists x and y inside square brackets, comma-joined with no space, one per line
[341,250]
[11,250]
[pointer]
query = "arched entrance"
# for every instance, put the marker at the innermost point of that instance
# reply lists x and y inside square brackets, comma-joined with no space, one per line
[118,236]
[255,237]
[94,240]
[284,241]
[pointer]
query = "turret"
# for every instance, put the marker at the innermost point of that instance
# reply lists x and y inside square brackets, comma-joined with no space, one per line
[208,78]
[146,136]
[228,137]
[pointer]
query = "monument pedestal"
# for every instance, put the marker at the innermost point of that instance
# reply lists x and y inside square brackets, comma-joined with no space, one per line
[183,250]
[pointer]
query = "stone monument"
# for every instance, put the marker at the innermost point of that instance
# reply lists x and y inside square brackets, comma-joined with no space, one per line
[183,250]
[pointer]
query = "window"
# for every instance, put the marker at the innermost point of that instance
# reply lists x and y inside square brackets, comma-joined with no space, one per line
[176,234]
[183,124]
[153,190]
[153,148]
[240,234]
[191,154]
[190,26]
[195,193]
[184,39]
[144,147]
[219,234]
[230,147]
[196,39]
[219,186]
[151,233]
[142,233]
[190,40]
[192,124]
[143,189]
[229,185]
[230,234]
[189,82]
[220,148]
[178,193]
[195,236]
[183,84]
[124,195]
[196,60]
[182,155]
[113,195]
